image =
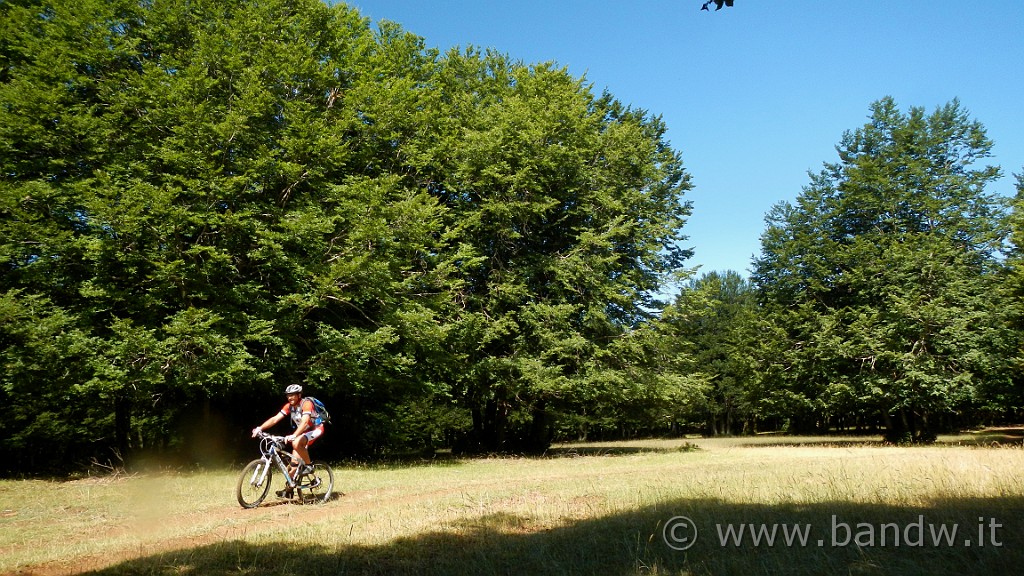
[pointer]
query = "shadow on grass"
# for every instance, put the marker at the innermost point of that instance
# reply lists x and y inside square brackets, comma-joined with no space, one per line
[838,538]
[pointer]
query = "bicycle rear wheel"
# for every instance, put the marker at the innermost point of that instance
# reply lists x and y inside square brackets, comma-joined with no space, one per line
[253,484]
[318,485]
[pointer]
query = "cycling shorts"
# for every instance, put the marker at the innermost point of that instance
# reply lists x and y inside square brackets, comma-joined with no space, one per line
[313,434]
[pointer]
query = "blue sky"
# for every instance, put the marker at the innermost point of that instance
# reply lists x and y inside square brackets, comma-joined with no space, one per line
[757,95]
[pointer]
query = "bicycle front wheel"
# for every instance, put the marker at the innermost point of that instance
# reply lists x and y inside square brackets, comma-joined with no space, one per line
[317,486]
[254,483]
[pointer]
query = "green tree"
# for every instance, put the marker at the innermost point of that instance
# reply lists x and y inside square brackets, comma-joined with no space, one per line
[36,337]
[882,275]
[715,318]
[1010,398]
[565,213]
[207,199]
[186,184]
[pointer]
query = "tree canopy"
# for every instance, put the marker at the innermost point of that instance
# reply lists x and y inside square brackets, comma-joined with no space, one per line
[718,4]
[205,201]
[882,273]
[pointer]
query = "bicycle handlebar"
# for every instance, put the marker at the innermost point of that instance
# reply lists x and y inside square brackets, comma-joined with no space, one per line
[272,437]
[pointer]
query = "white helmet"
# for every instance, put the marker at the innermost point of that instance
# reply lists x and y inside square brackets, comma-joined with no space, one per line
[293,389]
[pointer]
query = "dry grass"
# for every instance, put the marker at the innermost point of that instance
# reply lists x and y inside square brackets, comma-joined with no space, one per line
[583,509]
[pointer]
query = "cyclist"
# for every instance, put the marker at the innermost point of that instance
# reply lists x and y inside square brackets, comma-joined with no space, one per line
[307,423]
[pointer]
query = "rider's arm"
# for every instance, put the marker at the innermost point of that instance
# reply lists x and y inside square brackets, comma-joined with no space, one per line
[271,421]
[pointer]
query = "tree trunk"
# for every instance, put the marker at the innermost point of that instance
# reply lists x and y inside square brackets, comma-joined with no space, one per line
[122,426]
[540,429]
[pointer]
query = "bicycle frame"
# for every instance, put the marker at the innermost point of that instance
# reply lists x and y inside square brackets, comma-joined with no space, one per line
[271,452]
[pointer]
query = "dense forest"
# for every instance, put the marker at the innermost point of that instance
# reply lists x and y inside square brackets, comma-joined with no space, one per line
[202,202]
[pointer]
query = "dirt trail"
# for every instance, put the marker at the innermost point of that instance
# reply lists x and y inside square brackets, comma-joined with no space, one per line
[236,523]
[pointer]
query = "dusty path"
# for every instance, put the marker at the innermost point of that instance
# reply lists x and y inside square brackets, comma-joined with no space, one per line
[236,523]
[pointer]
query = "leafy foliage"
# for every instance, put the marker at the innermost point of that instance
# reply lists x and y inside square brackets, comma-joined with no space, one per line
[882,274]
[205,200]
[718,4]
[716,316]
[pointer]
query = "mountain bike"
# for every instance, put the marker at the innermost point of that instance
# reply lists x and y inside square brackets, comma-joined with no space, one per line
[311,486]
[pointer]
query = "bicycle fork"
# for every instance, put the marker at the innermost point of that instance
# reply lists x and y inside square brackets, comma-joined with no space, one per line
[260,473]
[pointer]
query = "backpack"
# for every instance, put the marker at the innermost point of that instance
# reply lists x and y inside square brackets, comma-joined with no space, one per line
[324,417]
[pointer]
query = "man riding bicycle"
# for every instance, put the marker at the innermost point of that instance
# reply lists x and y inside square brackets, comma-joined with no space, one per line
[307,423]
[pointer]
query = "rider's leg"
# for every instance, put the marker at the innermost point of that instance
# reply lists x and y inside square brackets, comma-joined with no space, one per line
[299,444]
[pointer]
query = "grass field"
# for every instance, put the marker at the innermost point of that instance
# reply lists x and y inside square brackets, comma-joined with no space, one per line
[846,506]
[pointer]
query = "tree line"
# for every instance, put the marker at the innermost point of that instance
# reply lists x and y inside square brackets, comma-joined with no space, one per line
[202,202]
[885,298]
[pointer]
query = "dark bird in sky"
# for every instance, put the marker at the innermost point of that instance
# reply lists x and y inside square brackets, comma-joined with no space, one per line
[718,4]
